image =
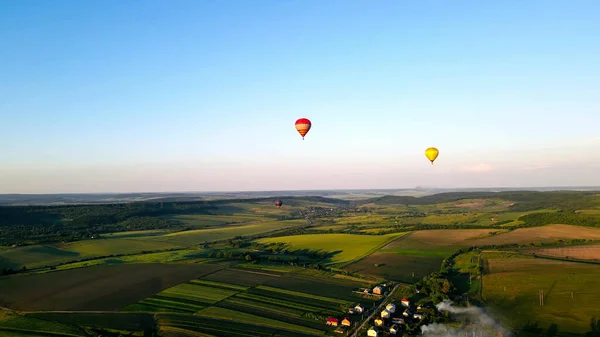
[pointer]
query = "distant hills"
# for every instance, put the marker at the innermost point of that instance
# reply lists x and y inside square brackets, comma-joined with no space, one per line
[350,194]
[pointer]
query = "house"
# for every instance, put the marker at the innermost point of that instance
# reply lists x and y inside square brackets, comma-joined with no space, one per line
[419,307]
[406,313]
[377,290]
[346,321]
[359,309]
[391,308]
[372,332]
[366,291]
[378,321]
[385,314]
[393,329]
[350,310]
[419,316]
[405,302]
[332,321]
[398,320]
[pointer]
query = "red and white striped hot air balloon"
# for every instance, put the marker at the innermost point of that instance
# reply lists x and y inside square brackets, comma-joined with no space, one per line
[303,126]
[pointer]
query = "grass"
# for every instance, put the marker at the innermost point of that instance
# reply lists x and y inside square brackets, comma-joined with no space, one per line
[523,277]
[345,247]
[106,287]
[195,237]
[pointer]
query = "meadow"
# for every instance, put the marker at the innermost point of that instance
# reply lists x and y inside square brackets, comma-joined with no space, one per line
[571,293]
[345,248]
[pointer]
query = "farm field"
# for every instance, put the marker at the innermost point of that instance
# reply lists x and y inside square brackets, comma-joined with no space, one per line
[523,277]
[419,252]
[588,252]
[96,288]
[282,301]
[46,255]
[546,233]
[195,237]
[345,247]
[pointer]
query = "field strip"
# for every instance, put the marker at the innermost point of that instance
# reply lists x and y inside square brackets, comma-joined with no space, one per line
[254,272]
[36,332]
[184,331]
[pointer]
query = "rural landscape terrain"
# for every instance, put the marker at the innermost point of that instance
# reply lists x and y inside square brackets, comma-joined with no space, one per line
[407,263]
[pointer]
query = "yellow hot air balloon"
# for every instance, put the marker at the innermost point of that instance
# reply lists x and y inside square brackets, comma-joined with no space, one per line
[431,154]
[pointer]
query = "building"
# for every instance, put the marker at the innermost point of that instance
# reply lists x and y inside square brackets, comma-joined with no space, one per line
[366,291]
[406,313]
[419,316]
[398,320]
[405,302]
[378,321]
[346,321]
[393,329]
[391,308]
[377,290]
[372,332]
[385,314]
[359,309]
[332,321]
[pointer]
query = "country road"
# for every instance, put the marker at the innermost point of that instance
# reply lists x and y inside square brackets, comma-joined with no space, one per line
[375,312]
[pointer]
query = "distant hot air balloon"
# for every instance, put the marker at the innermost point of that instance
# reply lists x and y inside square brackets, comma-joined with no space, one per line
[278,203]
[431,154]
[303,126]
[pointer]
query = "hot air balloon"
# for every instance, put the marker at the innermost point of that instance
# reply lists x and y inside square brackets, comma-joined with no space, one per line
[278,203]
[303,126]
[431,154]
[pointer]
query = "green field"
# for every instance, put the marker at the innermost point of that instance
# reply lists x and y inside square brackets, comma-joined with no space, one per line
[45,255]
[523,277]
[345,247]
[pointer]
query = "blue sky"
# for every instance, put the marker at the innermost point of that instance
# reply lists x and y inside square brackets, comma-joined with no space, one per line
[124,96]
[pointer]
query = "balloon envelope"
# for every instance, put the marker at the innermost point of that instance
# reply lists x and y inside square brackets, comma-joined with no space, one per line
[303,126]
[278,203]
[431,154]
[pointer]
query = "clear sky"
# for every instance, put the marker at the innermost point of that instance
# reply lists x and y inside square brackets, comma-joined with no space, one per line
[197,95]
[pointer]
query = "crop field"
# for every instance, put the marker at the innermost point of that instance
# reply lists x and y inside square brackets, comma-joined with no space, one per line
[547,233]
[195,237]
[345,247]
[282,301]
[590,252]
[419,252]
[178,325]
[96,288]
[571,292]
[45,255]
[25,326]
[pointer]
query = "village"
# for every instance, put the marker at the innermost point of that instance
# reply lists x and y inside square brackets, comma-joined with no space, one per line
[385,320]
